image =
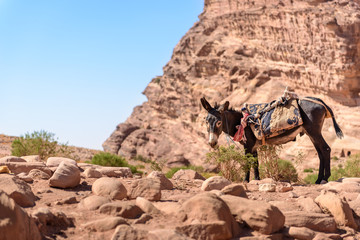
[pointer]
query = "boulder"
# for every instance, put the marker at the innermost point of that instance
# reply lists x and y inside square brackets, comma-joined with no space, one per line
[109,187]
[166,234]
[123,209]
[208,215]
[309,205]
[92,173]
[18,190]
[316,221]
[104,224]
[187,174]
[55,161]
[26,167]
[38,174]
[8,159]
[267,187]
[15,222]
[346,186]
[147,188]
[117,172]
[215,183]
[207,230]
[93,202]
[146,206]
[235,189]
[32,158]
[125,232]
[170,208]
[355,205]
[23,176]
[301,233]
[165,183]
[50,220]
[331,202]
[67,175]
[260,216]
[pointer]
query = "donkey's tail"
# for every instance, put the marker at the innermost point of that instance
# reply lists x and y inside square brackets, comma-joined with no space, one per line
[330,113]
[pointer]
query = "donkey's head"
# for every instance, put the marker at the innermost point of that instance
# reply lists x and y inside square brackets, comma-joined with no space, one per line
[214,120]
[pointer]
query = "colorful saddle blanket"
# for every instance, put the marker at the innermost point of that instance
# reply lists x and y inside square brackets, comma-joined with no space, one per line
[275,121]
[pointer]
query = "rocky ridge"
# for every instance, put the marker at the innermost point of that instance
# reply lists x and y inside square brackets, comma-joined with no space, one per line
[249,51]
[128,207]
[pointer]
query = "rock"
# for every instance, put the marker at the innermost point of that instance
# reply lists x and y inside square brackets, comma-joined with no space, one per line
[26,167]
[92,173]
[147,188]
[15,222]
[55,161]
[212,215]
[122,209]
[11,159]
[267,187]
[207,230]
[166,234]
[260,216]
[350,180]
[23,176]
[187,174]
[146,206]
[48,220]
[93,202]
[169,208]
[284,187]
[309,205]
[286,205]
[32,158]
[69,200]
[316,221]
[165,183]
[355,205]
[347,186]
[109,187]
[328,236]
[67,175]
[38,174]
[124,232]
[115,171]
[235,190]
[215,183]
[18,190]
[338,207]
[143,219]
[105,224]
[301,233]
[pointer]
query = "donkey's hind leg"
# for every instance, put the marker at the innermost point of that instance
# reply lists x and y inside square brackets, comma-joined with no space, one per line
[323,151]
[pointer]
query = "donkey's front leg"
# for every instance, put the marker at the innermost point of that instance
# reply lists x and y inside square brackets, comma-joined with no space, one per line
[256,167]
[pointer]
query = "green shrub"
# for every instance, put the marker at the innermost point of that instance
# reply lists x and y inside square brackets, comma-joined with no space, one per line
[308,170]
[154,165]
[351,169]
[271,166]
[40,143]
[311,178]
[112,160]
[233,163]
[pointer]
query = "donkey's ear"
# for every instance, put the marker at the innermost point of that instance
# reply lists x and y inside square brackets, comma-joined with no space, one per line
[205,104]
[224,107]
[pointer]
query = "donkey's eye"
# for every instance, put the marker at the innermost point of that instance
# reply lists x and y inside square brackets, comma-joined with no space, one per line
[218,123]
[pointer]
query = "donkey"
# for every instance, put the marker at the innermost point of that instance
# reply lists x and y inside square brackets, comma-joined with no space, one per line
[313,112]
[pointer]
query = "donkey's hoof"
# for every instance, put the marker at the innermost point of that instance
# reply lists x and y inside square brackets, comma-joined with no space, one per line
[323,182]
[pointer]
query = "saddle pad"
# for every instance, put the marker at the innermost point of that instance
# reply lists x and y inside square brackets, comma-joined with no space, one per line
[276,121]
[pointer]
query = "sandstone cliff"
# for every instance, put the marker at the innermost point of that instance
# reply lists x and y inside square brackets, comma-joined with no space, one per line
[248,51]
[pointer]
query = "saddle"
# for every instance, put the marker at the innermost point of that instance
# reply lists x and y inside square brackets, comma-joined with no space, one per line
[268,120]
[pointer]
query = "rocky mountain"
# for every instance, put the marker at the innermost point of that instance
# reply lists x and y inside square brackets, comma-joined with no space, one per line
[249,51]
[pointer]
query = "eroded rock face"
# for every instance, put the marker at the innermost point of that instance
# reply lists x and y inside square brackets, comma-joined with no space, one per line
[244,51]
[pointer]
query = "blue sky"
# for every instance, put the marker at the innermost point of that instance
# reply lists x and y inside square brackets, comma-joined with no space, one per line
[77,68]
